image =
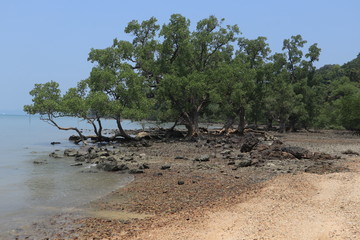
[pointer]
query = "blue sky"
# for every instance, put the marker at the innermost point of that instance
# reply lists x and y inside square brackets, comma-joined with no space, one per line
[43,40]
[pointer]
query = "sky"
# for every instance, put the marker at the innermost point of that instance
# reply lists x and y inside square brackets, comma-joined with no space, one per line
[44,40]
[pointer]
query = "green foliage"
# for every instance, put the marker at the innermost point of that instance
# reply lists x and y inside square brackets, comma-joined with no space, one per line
[46,99]
[175,72]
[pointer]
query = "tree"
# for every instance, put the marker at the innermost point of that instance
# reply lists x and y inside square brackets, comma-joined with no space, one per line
[189,58]
[117,91]
[350,111]
[254,54]
[47,101]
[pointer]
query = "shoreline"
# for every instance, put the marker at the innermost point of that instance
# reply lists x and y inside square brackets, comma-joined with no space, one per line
[185,190]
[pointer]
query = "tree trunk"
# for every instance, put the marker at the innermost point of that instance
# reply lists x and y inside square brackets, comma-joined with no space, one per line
[191,123]
[229,122]
[122,133]
[269,125]
[282,125]
[100,129]
[52,122]
[241,126]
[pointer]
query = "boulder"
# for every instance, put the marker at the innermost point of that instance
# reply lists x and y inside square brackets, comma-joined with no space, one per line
[165,167]
[297,152]
[111,166]
[244,163]
[143,135]
[249,142]
[70,152]
[54,155]
[135,171]
[203,158]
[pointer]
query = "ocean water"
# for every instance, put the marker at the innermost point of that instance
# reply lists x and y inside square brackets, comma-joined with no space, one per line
[30,192]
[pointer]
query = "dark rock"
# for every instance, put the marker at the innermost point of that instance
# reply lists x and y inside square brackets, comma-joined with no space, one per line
[174,134]
[249,142]
[89,171]
[111,159]
[104,154]
[350,152]
[54,155]
[76,164]
[40,162]
[128,158]
[297,152]
[109,167]
[53,143]
[203,158]
[181,182]
[123,167]
[70,152]
[244,163]
[74,138]
[226,152]
[145,143]
[165,167]
[80,158]
[179,157]
[227,146]
[135,171]
[144,166]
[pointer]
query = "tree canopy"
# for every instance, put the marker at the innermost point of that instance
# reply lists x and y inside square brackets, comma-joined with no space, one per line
[185,74]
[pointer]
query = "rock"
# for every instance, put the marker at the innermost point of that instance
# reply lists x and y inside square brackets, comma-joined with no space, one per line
[226,152]
[135,171]
[70,152]
[262,147]
[122,167]
[80,158]
[143,135]
[145,143]
[144,166]
[128,158]
[111,166]
[89,171]
[142,155]
[249,142]
[174,134]
[111,159]
[103,154]
[227,146]
[53,143]
[54,155]
[297,152]
[181,182]
[165,167]
[179,157]
[75,139]
[76,164]
[203,158]
[40,162]
[350,152]
[244,163]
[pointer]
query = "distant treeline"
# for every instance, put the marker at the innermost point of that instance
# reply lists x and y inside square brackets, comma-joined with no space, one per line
[171,73]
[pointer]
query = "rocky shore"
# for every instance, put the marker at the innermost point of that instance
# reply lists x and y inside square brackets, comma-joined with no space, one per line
[179,178]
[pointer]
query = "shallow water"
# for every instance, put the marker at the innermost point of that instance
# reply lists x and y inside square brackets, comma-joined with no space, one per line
[30,192]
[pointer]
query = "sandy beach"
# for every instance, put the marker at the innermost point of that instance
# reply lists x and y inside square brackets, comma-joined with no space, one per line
[182,197]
